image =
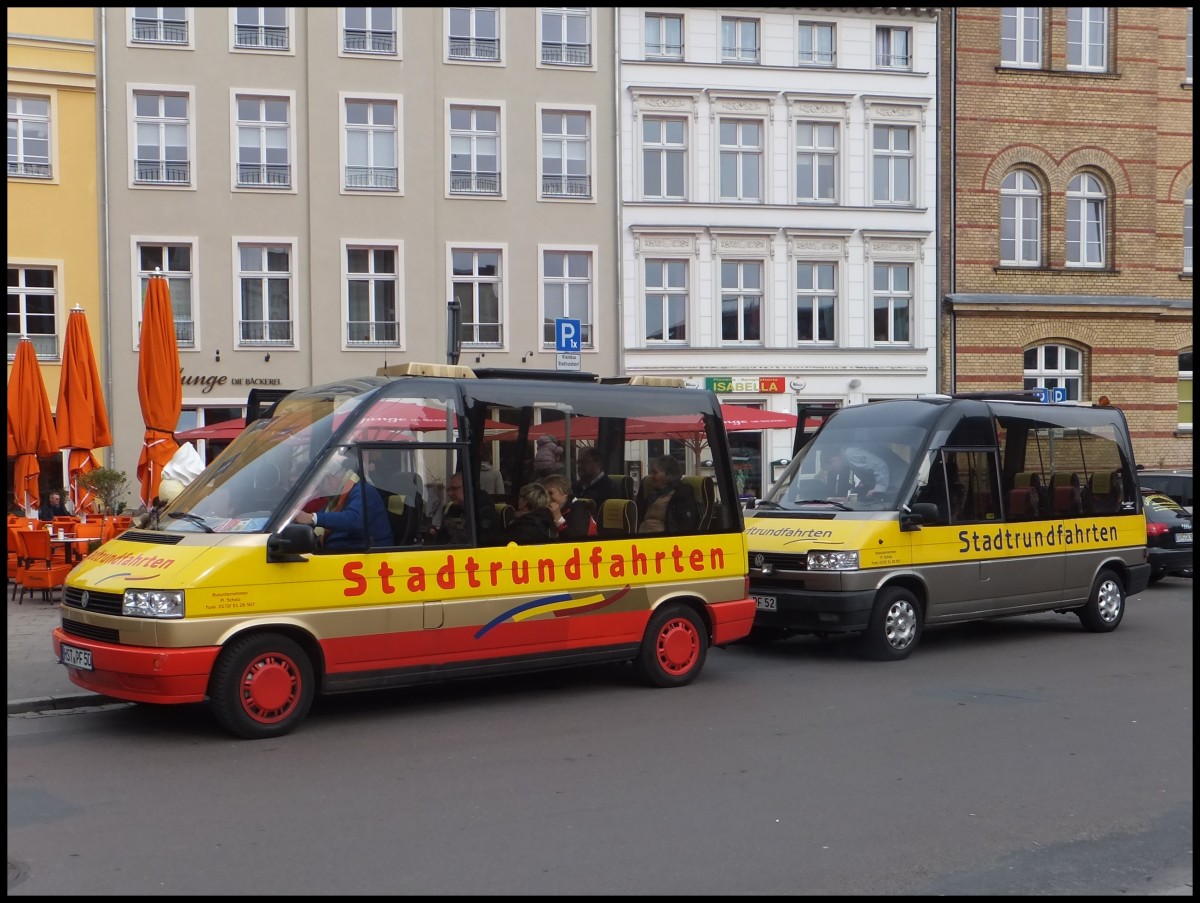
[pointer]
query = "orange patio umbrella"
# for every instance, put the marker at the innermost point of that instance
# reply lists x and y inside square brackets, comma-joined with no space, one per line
[80,415]
[30,423]
[159,390]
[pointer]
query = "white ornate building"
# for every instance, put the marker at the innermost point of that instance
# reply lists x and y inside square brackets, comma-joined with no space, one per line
[778,218]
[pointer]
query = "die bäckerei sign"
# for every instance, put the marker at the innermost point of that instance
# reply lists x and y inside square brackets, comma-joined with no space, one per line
[209,380]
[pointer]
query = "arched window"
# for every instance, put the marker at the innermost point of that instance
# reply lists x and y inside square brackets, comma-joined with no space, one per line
[1020,220]
[1185,390]
[1055,366]
[1187,231]
[1086,210]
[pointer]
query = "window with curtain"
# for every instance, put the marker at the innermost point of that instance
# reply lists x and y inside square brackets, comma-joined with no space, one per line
[1086,208]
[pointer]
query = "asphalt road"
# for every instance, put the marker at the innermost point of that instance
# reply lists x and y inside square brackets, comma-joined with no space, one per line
[1024,756]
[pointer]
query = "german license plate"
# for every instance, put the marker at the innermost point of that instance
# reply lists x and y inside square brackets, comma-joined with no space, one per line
[76,658]
[765,603]
[1185,538]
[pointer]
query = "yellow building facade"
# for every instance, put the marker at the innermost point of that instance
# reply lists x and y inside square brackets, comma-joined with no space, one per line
[53,194]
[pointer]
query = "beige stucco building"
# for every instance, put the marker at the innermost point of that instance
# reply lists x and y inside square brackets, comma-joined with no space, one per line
[318,183]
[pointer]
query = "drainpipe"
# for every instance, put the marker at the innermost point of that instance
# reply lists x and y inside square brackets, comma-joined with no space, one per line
[953,255]
[937,205]
[105,250]
[620,218]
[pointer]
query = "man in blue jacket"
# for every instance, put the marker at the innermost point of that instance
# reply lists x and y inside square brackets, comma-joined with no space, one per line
[342,520]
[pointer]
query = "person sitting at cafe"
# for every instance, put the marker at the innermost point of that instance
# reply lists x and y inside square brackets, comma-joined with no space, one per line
[53,507]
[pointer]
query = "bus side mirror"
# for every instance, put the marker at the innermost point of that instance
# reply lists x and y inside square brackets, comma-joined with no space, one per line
[919,513]
[291,543]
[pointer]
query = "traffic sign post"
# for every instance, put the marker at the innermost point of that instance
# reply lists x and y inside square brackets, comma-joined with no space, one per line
[567,342]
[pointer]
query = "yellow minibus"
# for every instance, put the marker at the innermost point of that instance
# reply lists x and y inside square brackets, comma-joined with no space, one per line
[347,542]
[907,513]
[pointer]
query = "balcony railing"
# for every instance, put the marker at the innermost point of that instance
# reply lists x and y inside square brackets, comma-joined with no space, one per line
[267,37]
[665,51]
[160,31]
[379,178]
[163,172]
[29,170]
[361,40]
[372,332]
[474,48]
[739,54]
[269,175]
[185,332]
[265,332]
[567,186]
[44,346]
[566,54]
[463,182]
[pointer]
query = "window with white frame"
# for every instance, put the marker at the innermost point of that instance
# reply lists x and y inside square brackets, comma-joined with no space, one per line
[664,36]
[1087,38]
[1021,36]
[666,300]
[161,127]
[893,47]
[172,261]
[741,300]
[892,162]
[891,300]
[372,283]
[1086,203]
[816,301]
[264,142]
[1185,390]
[261,27]
[739,40]
[159,25]
[29,136]
[1054,367]
[371,143]
[265,288]
[476,282]
[741,159]
[816,44]
[1187,230]
[567,35]
[816,162]
[567,292]
[1020,220]
[566,154]
[664,158]
[32,309]
[474,33]
[369,29]
[474,150]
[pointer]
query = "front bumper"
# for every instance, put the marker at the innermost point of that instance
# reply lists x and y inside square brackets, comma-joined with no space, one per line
[814,611]
[140,673]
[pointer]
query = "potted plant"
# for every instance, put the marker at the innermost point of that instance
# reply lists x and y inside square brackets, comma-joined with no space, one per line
[110,487]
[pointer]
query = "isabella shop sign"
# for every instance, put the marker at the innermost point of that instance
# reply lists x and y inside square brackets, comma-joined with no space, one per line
[726,385]
[208,381]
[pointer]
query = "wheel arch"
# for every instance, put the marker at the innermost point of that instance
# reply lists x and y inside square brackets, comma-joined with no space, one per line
[692,601]
[294,631]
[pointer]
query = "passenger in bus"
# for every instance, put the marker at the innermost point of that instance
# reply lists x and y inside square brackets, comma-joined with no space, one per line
[593,483]
[490,480]
[871,471]
[547,458]
[534,522]
[572,518]
[666,504]
[453,528]
[341,519]
[836,477]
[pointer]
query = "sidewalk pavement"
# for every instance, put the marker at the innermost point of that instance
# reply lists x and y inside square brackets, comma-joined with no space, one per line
[36,681]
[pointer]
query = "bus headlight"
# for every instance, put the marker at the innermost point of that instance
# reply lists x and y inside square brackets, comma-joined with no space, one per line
[833,561]
[153,603]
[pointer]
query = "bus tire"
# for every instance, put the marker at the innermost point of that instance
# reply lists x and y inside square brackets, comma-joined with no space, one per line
[1106,605]
[895,626]
[674,647]
[262,686]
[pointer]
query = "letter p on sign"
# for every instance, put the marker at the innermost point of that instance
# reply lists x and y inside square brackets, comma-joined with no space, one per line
[566,334]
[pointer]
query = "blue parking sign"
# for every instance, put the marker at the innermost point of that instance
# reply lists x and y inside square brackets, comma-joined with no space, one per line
[1042,394]
[1058,393]
[567,334]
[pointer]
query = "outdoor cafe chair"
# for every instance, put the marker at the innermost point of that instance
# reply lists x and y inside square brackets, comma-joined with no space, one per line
[40,570]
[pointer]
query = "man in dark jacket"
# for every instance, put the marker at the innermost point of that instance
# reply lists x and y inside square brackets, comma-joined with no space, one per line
[53,507]
[453,528]
[593,482]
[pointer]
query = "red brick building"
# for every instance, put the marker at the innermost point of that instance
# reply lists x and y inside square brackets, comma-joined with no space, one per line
[1067,250]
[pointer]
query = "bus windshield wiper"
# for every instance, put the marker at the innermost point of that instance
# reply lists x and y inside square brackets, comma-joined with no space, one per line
[192,519]
[824,502]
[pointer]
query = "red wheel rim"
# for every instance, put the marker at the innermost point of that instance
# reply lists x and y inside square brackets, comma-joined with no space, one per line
[678,646]
[270,687]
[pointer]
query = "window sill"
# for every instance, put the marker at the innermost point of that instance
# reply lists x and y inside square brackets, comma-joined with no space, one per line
[1056,271]
[1185,274]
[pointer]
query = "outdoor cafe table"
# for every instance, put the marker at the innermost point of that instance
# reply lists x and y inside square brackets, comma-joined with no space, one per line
[74,546]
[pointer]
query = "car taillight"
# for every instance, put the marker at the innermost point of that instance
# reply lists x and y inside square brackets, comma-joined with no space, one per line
[1153,529]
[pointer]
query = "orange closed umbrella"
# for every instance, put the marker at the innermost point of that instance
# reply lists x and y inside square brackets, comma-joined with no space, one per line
[80,415]
[159,389]
[30,423]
